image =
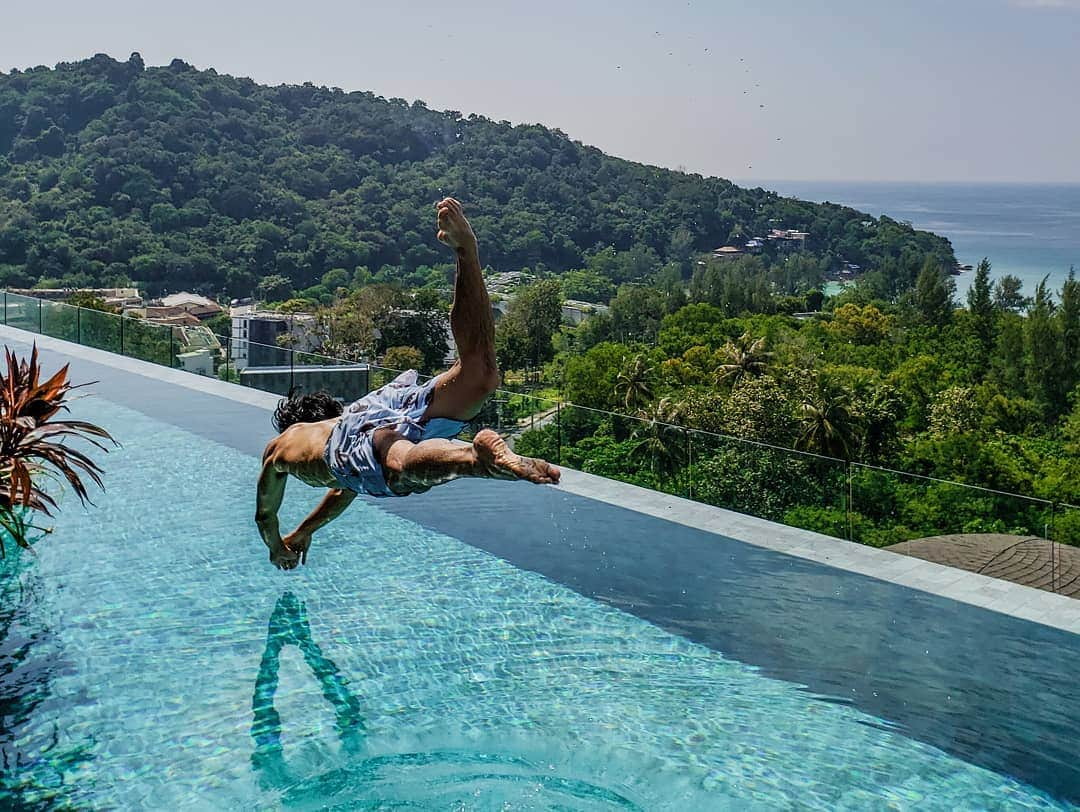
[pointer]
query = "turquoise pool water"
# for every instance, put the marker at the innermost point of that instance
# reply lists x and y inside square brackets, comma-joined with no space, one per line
[155,659]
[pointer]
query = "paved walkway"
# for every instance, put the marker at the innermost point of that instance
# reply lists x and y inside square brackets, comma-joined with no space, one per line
[1027,560]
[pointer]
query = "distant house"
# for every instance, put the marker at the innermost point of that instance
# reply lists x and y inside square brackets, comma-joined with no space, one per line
[198,306]
[255,336]
[201,362]
[175,316]
[507,281]
[574,312]
[788,240]
[728,252]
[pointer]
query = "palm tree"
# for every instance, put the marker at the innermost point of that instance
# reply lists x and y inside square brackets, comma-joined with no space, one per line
[747,356]
[32,444]
[633,384]
[828,423]
[658,440]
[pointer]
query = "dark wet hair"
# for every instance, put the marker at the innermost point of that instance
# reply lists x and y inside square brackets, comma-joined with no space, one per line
[301,408]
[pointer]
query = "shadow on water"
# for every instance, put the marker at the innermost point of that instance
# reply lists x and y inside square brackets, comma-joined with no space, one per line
[289,626]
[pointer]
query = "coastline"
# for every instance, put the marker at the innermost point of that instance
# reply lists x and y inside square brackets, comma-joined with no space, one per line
[1029,230]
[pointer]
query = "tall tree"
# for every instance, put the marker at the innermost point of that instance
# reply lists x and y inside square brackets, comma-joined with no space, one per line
[1008,295]
[1070,329]
[658,440]
[1043,354]
[424,330]
[1007,361]
[828,422]
[634,384]
[933,297]
[742,358]
[636,313]
[535,314]
[981,304]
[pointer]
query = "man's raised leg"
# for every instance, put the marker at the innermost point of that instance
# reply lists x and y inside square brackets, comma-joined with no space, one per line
[461,391]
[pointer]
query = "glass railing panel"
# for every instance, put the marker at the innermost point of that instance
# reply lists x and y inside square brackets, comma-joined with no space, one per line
[574,426]
[101,330]
[649,453]
[266,367]
[61,321]
[23,312]
[779,484]
[1001,535]
[380,376]
[529,423]
[345,380]
[150,342]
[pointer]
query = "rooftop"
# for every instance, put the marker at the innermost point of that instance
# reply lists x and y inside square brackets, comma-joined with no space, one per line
[585,633]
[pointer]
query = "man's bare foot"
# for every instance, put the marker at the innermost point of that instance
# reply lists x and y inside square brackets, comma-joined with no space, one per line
[454,229]
[502,463]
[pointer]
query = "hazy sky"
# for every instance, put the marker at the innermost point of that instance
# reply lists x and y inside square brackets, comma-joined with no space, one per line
[848,89]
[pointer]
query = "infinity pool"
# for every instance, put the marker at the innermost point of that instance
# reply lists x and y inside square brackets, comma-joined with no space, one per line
[150,657]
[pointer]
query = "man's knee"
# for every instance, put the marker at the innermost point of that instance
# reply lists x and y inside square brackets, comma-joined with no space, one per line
[483,384]
[482,375]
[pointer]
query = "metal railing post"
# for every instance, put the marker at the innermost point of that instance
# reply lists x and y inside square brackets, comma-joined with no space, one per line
[1053,546]
[172,348]
[848,503]
[292,358]
[39,318]
[690,464]
[5,307]
[122,352]
[228,357]
[78,325]
[558,432]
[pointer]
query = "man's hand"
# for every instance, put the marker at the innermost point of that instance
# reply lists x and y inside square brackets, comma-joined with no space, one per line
[454,229]
[297,543]
[283,558]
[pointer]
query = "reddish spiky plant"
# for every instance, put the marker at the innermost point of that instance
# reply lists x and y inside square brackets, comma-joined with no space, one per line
[33,444]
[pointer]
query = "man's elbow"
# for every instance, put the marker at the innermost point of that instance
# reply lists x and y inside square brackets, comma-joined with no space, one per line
[264,518]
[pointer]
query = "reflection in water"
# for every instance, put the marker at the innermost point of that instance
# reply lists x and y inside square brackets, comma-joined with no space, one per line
[441,779]
[289,626]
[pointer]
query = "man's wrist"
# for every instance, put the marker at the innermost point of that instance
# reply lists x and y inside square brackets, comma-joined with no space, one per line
[468,251]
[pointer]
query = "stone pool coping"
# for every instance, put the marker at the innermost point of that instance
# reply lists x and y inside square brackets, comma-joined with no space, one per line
[1004,597]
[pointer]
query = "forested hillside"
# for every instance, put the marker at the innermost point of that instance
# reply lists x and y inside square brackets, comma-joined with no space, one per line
[176,178]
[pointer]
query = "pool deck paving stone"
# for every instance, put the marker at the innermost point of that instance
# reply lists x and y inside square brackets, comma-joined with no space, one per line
[1026,603]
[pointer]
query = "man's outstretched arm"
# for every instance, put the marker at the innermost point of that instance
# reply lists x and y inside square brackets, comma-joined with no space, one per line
[331,506]
[269,493]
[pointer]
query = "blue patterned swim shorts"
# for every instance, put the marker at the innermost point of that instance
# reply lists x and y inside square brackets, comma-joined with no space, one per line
[400,405]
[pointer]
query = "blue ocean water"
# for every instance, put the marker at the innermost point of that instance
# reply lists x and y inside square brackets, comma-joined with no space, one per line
[160,662]
[1028,230]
